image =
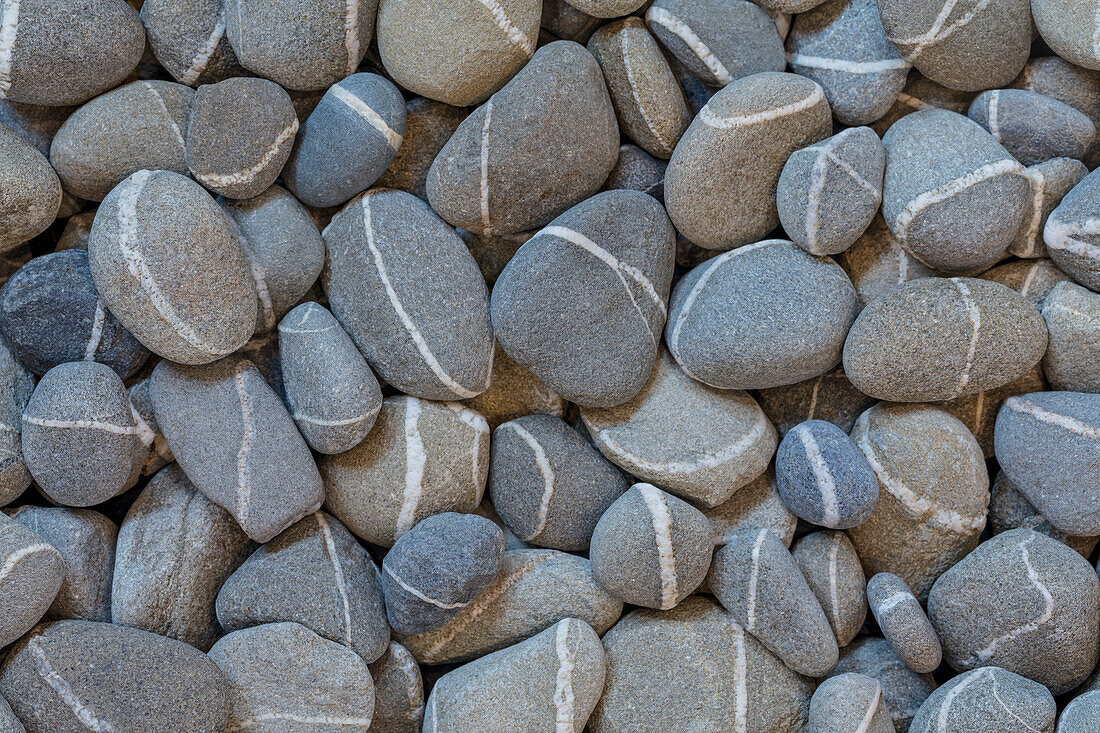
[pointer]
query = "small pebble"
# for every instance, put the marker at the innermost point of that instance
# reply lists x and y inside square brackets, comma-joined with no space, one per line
[32,191]
[428,127]
[36,571]
[902,688]
[904,623]
[398,692]
[829,397]
[757,505]
[562,20]
[877,263]
[1033,279]
[849,702]
[1070,233]
[1033,127]
[1081,714]
[978,412]
[988,699]
[1073,352]
[188,39]
[832,569]
[920,93]
[1077,87]
[1051,180]
[16,387]
[637,170]
[492,253]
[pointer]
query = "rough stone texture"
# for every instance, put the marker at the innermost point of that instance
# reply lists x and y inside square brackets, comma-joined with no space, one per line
[752,125]
[830,397]
[188,39]
[35,572]
[314,574]
[988,699]
[933,493]
[514,392]
[34,123]
[903,689]
[1051,180]
[608,8]
[1068,28]
[1071,234]
[561,20]
[1071,314]
[695,663]
[823,476]
[428,127]
[1077,87]
[904,623]
[1081,714]
[920,93]
[546,141]
[1033,127]
[493,252]
[8,722]
[16,386]
[30,187]
[876,262]
[1033,279]
[637,170]
[757,505]
[154,453]
[831,567]
[398,692]
[1008,509]
[849,702]
[978,412]
[284,677]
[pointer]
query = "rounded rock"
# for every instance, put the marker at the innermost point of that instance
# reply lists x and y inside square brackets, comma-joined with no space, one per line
[1071,234]
[1067,27]
[428,127]
[1081,714]
[28,590]
[978,412]
[1033,127]
[990,699]
[1066,82]
[832,569]
[188,39]
[637,170]
[757,505]
[848,702]
[1050,182]
[902,688]
[829,397]
[904,623]
[1071,313]
[876,262]
[398,692]
[1008,509]
[31,190]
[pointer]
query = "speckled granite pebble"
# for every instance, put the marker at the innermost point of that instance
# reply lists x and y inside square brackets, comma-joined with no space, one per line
[823,476]
[1081,714]
[903,689]
[1051,180]
[988,699]
[904,623]
[27,591]
[188,39]
[1065,26]
[32,191]
[1070,233]
[757,505]
[832,569]
[398,692]
[1066,82]
[849,702]
[1008,509]
[1033,127]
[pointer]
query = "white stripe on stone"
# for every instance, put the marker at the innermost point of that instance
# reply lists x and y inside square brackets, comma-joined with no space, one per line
[545,470]
[300,417]
[311,720]
[823,477]
[248,435]
[338,573]
[630,82]
[662,17]
[485,220]
[9,29]
[851,67]
[994,123]
[481,430]
[975,317]
[415,458]
[359,107]
[1064,236]
[247,175]
[995,692]
[1035,216]
[142,429]
[564,698]
[96,336]
[84,713]
[834,596]
[979,413]
[813,397]
[422,596]
[514,35]
[818,175]
[661,519]
[203,54]
[351,34]
[888,604]
[865,724]
[167,115]
[949,699]
[754,577]
[106,427]
[740,683]
[1073,425]
[259,279]
[14,559]
[708,117]
[939,29]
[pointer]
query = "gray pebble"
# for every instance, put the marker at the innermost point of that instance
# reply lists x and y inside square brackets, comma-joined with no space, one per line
[849,702]
[1051,180]
[1071,313]
[561,20]
[315,574]
[990,699]
[757,505]
[428,127]
[902,688]
[823,476]
[1067,27]
[609,8]
[34,123]
[1071,235]
[155,453]
[77,229]
[876,262]
[1077,87]
[832,569]
[32,191]
[1033,127]
[188,39]
[1008,509]
[236,442]
[514,392]
[398,692]
[1081,714]
[16,386]
[8,722]
[830,397]
[603,267]
[35,573]
[921,93]
[904,623]
[637,170]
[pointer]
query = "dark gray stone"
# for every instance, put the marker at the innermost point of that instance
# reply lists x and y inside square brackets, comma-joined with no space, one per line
[1066,82]
[637,170]
[1033,127]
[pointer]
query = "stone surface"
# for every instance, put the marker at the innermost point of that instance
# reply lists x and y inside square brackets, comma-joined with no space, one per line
[849,702]
[832,569]
[35,572]
[904,623]
[514,392]
[1071,314]
[1076,86]
[32,191]
[1081,714]
[1051,180]
[188,39]
[428,127]
[1065,28]
[757,505]
[1070,233]
[1008,509]
[902,688]
[990,699]
[830,397]
[1033,127]
[877,263]
[398,692]
[16,386]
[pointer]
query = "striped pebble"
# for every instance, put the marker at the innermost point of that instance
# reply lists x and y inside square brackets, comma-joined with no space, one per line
[823,477]
[978,412]
[1051,180]
[154,453]
[1033,127]
[1072,315]
[31,574]
[991,699]
[849,702]
[1072,233]
[829,397]
[757,505]
[922,93]
[832,569]
[650,548]
[1069,28]
[904,623]
[1033,279]
[398,692]
[188,39]
[902,688]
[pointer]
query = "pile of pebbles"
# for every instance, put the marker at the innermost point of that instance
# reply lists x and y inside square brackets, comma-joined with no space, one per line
[549,366]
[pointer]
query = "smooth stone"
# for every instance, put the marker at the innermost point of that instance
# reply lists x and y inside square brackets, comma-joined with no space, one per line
[398,692]
[1070,236]
[829,397]
[36,572]
[428,126]
[988,699]
[877,263]
[16,387]
[34,123]
[1033,127]
[1081,714]
[188,39]
[1071,314]
[154,453]
[902,689]
[903,622]
[1051,180]
[32,191]
[1066,28]
[832,569]
[637,170]
[514,392]
[849,702]
[1066,82]
[757,505]
[1008,509]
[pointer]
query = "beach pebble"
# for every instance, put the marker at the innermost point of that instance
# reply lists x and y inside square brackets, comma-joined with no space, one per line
[188,39]
[831,567]
[169,266]
[695,663]
[420,458]
[1033,127]
[823,476]
[876,262]
[1033,278]
[428,126]
[76,231]
[16,387]
[830,397]
[700,443]
[8,722]
[522,158]
[933,493]
[1068,28]
[647,98]
[753,125]
[50,313]
[553,678]
[435,341]
[493,252]
[904,623]
[79,435]
[34,123]
[1008,509]
[534,590]
[902,688]
[988,699]
[825,214]
[604,266]
[456,52]
[332,393]
[75,676]
[718,41]
[637,170]
[398,692]
[952,196]
[978,412]
[608,8]
[514,392]
[347,142]
[842,46]
[50,62]
[1051,180]
[757,505]
[1024,602]
[548,484]
[1076,86]
[921,93]
[36,571]
[282,676]
[1081,714]
[722,324]
[137,126]
[300,44]
[85,540]
[1046,443]
[936,339]
[315,574]
[849,702]
[1072,313]
[1072,236]
[236,442]
[175,549]
[32,191]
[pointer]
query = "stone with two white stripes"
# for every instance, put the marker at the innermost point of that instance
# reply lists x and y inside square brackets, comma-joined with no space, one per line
[285,676]
[1069,28]
[398,691]
[1024,602]
[1033,127]
[79,676]
[937,338]
[904,623]
[137,126]
[1051,180]
[582,303]
[316,574]
[347,142]
[188,39]
[700,443]
[410,295]
[438,568]
[548,484]
[987,699]
[1072,315]
[550,682]
[235,440]
[832,569]
[175,550]
[1072,233]
[31,574]
[696,665]
[33,193]
[1048,444]
[841,45]
[849,702]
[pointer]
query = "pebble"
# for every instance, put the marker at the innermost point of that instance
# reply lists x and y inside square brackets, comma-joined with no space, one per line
[175,550]
[1066,27]
[50,313]
[522,158]
[8,722]
[420,458]
[35,573]
[989,699]
[757,505]
[398,692]
[76,676]
[513,393]
[16,387]
[700,443]
[284,676]
[823,476]
[1051,180]
[1033,127]
[232,436]
[751,125]
[1008,509]
[952,195]
[1033,279]
[314,574]
[826,214]
[903,622]
[548,484]
[650,548]
[85,539]
[920,93]
[695,662]
[842,46]
[1071,313]
[637,170]
[154,453]
[492,253]
[188,39]
[347,142]
[562,20]
[936,339]
[32,191]
[722,326]
[1071,235]
[331,392]
[433,342]
[613,256]
[933,493]
[428,126]
[75,234]
[1081,714]
[832,569]
[849,702]
[1077,87]
[829,397]
[903,689]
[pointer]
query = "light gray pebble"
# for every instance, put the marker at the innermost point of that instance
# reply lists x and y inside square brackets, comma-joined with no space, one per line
[832,569]
[398,692]
[1081,714]
[1033,127]
[849,702]
[1072,313]
[978,412]
[428,127]
[757,505]
[1071,235]
[16,386]
[990,699]
[1008,509]
[1065,26]
[876,262]
[1033,279]
[1051,180]
[904,623]
[830,397]
[902,688]
[32,191]
[609,8]
[514,392]
[188,39]
[34,123]
[36,572]
[155,453]
[823,476]
[8,722]
[1066,82]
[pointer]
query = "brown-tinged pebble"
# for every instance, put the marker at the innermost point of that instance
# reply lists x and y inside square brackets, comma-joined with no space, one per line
[875,263]
[832,569]
[1076,86]
[16,386]
[188,39]
[978,412]
[1033,127]
[637,170]
[493,252]
[398,692]
[608,8]
[902,689]
[933,493]
[904,623]
[849,702]
[830,397]
[1051,180]
[1072,315]
[514,392]
[175,549]
[697,442]
[32,191]
[428,127]
[757,505]
[562,20]
[31,576]
[1008,509]
[1072,233]
[988,699]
